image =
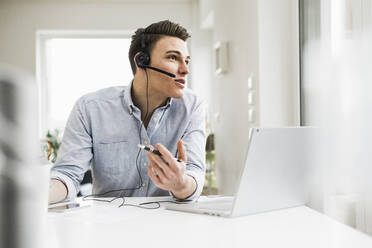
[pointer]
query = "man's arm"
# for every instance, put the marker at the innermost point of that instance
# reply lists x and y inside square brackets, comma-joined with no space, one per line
[74,155]
[194,140]
[57,191]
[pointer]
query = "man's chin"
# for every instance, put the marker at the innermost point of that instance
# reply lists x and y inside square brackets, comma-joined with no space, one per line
[178,95]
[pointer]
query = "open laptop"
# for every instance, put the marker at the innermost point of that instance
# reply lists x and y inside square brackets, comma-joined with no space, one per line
[274,175]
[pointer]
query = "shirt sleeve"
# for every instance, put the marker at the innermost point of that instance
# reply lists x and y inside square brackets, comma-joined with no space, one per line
[194,140]
[75,153]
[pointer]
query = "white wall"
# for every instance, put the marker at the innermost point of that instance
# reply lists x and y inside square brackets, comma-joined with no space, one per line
[19,22]
[263,41]
[236,22]
[201,43]
[278,62]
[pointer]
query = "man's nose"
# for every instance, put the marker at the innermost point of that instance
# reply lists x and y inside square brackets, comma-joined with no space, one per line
[184,68]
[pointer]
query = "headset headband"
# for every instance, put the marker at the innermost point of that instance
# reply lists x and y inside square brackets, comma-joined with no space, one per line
[143,45]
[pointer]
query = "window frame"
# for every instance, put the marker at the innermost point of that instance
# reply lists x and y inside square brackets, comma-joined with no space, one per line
[42,38]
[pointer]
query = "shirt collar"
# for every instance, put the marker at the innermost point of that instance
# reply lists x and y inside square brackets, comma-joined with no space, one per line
[169,102]
[128,97]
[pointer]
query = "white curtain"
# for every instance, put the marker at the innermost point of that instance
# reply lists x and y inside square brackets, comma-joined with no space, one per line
[337,96]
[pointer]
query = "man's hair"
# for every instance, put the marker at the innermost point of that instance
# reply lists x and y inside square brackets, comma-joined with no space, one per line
[152,34]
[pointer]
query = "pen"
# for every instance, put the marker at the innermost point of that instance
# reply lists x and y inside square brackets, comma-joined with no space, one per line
[150,149]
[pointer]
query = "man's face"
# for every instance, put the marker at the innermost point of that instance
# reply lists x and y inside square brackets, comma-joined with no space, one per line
[169,54]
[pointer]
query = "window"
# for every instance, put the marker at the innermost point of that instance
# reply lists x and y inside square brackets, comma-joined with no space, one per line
[335,87]
[70,67]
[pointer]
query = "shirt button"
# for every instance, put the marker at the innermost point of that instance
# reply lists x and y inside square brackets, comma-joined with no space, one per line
[144,163]
[145,142]
[155,119]
[144,185]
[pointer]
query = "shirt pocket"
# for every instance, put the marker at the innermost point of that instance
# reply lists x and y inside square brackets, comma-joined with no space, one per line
[112,158]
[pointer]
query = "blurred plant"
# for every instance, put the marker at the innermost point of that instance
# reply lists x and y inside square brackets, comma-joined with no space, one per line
[209,148]
[210,173]
[54,142]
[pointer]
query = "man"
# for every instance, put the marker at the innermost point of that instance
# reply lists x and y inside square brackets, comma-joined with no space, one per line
[105,127]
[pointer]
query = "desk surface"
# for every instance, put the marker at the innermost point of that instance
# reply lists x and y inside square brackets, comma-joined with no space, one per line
[106,225]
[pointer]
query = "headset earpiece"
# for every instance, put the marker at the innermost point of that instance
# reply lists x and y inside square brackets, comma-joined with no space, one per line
[143,60]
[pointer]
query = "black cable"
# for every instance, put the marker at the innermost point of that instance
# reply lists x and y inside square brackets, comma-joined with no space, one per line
[101,200]
[140,205]
[158,202]
[137,167]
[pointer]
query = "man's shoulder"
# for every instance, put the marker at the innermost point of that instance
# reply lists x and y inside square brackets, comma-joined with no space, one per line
[106,94]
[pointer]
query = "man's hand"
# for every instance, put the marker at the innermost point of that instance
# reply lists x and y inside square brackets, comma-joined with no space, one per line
[170,174]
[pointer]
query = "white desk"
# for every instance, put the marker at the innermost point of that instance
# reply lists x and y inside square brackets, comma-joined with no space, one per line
[105,225]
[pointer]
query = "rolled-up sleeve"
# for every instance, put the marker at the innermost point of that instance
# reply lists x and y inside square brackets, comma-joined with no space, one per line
[194,140]
[75,153]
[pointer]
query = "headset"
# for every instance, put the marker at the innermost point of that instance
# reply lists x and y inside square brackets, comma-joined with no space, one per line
[143,58]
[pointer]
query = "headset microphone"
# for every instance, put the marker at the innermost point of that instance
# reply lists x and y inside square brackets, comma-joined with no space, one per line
[161,71]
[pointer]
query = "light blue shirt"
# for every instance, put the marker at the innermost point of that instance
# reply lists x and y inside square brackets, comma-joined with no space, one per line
[103,132]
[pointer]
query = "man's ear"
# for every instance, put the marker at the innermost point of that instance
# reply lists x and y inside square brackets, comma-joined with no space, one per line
[135,62]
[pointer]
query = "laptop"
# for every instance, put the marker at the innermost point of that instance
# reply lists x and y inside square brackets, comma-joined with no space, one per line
[274,175]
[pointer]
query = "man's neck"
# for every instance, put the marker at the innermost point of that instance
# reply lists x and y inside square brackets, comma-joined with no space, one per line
[139,98]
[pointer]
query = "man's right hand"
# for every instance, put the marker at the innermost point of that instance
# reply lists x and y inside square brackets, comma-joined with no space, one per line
[57,191]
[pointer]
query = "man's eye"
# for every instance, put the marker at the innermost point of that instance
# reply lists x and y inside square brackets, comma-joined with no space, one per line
[172,57]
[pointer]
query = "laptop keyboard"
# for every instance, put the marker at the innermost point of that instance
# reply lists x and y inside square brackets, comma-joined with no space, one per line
[215,205]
